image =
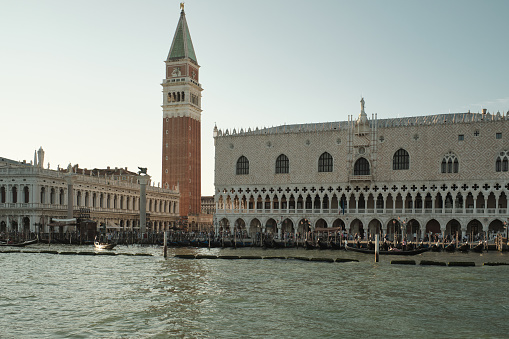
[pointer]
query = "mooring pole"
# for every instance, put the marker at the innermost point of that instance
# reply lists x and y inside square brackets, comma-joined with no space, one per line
[377,248]
[165,248]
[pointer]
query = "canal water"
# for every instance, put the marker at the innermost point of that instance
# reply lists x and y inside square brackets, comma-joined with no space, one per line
[82,296]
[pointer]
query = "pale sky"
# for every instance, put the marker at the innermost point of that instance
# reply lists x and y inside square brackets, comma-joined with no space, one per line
[82,78]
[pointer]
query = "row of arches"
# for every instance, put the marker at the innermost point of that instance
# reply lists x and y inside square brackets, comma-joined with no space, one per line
[24,224]
[413,227]
[176,96]
[430,202]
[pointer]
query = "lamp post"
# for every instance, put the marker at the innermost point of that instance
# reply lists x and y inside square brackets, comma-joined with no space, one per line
[235,234]
[402,224]
[394,231]
[305,225]
[506,230]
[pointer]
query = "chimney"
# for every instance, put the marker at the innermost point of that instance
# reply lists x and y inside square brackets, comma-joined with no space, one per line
[484,111]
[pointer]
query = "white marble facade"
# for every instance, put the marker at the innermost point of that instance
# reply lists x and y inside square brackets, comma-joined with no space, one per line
[30,196]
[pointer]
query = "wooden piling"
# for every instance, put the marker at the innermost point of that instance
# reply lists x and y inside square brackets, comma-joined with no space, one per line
[377,248]
[165,248]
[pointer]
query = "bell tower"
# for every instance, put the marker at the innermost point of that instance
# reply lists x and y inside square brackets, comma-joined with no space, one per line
[181,156]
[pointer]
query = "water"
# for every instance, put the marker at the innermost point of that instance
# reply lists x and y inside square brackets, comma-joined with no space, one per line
[59,296]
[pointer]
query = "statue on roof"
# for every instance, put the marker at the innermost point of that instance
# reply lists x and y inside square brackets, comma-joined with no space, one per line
[362,104]
[182,6]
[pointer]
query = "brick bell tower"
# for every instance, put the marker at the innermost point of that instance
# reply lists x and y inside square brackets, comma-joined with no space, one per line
[181,163]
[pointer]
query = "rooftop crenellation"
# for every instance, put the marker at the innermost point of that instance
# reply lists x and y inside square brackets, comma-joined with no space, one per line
[451,118]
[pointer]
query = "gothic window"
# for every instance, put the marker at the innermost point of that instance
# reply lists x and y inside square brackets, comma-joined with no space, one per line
[361,167]
[502,163]
[450,163]
[282,164]
[400,160]
[325,162]
[242,166]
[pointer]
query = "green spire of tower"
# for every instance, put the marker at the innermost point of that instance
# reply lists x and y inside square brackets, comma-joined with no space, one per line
[182,46]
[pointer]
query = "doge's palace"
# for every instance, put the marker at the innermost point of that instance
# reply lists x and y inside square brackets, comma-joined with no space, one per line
[444,173]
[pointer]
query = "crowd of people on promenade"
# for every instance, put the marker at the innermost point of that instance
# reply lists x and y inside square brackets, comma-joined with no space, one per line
[127,237]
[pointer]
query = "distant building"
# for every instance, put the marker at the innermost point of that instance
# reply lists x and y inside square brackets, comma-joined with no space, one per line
[31,196]
[445,173]
[208,205]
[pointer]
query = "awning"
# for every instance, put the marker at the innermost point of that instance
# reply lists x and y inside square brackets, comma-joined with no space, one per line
[62,222]
[111,225]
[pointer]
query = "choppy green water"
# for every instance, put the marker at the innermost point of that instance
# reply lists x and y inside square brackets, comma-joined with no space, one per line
[57,296]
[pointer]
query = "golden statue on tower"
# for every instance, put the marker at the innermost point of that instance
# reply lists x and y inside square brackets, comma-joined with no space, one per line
[182,6]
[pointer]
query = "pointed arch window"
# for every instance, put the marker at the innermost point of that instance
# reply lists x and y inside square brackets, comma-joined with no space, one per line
[242,166]
[282,164]
[502,163]
[401,160]
[361,167]
[450,163]
[325,162]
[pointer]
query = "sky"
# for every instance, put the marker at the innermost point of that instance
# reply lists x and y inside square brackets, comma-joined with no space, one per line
[83,79]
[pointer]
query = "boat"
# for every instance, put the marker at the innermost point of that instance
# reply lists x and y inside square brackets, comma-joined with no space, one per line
[336,245]
[324,245]
[464,248]
[389,252]
[278,243]
[436,248]
[19,244]
[309,245]
[479,248]
[104,246]
[450,248]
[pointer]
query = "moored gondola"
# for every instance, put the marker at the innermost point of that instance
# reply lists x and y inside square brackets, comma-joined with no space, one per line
[479,248]
[324,245]
[309,245]
[19,244]
[337,245]
[464,248]
[227,243]
[389,252]
[436,248]
[450,248]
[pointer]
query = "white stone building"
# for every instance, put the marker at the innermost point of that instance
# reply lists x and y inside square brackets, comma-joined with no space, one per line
[445,173]
[31,196]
